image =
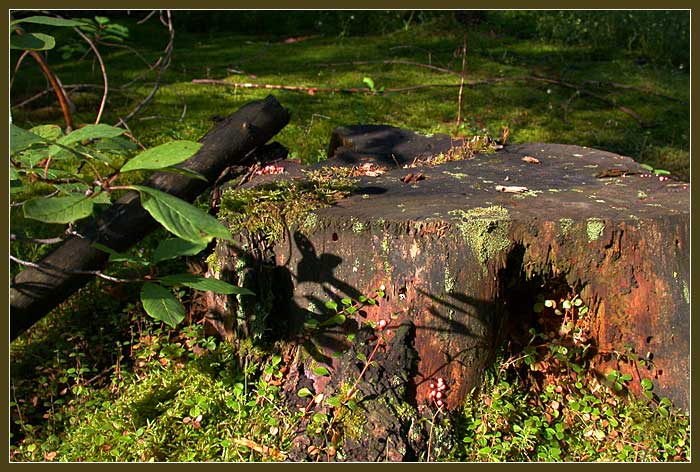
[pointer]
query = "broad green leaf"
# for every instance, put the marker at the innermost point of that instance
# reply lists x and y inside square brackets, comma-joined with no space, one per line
[51,132]
[647,167]
[321,371]
[304,392]
[346,301]
[205,284]
[32,41]
[661,172]
[14,175]
[58,209]
[175,247]
[647,384]
[47,20]
[90,132]
[102,20]
[180,218]
[102,198]
[162,305]
[369,82]
[21,139]
[115,256]
[165,155]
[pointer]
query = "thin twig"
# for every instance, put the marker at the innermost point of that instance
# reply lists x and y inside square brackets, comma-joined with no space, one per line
[19,62]
[60,93]
[147,17]
[164,62]
[293,88]
[51,268]
[104,73]
[461,81]
[16,237]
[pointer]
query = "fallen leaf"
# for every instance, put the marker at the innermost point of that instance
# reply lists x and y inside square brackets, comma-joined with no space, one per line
[265,450]
[531,160]
[49,456]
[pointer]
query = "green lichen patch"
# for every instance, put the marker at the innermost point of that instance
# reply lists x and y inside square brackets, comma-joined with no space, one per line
[456,175]
[485,229]
[565,225]
[594,228]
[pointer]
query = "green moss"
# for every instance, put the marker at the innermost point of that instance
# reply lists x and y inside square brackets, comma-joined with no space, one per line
[594,228]
[485,229]
[456,175]
[268,209]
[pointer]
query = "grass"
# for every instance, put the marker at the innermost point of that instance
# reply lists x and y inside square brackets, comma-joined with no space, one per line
[97,380]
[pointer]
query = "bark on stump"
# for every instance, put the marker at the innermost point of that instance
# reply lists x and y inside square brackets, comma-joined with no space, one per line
[461,262]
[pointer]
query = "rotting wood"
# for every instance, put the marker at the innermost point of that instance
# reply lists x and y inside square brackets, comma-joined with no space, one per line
[35,292]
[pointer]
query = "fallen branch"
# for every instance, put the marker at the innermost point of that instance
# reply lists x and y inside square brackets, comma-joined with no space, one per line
[35,291]
[468,83]
[291,88]
[461,81]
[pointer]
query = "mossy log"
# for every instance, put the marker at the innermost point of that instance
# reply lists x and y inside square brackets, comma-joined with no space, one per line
[229,144]
[462,261]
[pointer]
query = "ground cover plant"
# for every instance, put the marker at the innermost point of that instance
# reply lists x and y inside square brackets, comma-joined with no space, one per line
[100,380]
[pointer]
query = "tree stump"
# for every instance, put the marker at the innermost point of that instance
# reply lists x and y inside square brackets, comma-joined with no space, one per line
[463,249]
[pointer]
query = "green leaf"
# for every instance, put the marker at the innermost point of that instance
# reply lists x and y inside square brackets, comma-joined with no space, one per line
[115,256]
[361,357]
[21,139]
[369,82]
[578,302]
[333,401]
[321,371]
[90,132]
[47,20]
[14,175]
[32,42]
[162,305]
[176,247]
[538,307]
[50,132]
[304,392]
[58,209]
[331,305]
[661,172]
[566,304]
[102,20]
[204,284]
[647,385]
[162,156]
[647,167]
[550,303]
[346,301]
[334,320]
[180,218]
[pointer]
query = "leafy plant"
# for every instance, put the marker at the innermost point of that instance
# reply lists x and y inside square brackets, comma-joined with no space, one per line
[84,175]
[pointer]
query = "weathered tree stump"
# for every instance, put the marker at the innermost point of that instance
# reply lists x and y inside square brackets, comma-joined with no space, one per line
[462,262]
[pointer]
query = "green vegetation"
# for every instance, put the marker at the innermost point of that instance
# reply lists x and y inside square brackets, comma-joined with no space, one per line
[100,380]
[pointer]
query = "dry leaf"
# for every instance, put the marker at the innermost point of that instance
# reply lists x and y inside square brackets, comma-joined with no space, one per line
[265,450]
[49,456]
[531,160]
